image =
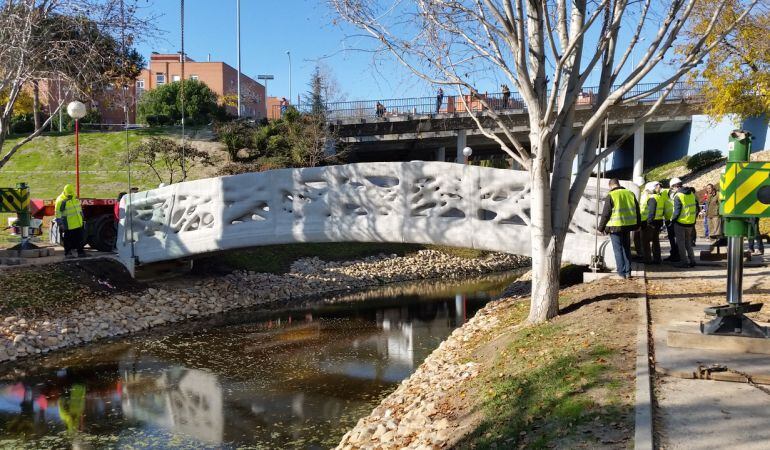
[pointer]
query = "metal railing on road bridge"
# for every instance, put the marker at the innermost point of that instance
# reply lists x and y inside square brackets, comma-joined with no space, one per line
[451,104]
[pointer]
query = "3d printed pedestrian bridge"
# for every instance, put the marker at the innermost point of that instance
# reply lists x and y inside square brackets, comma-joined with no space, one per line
[411,202]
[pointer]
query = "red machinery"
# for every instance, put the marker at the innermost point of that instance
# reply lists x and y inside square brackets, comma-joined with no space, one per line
[99,214]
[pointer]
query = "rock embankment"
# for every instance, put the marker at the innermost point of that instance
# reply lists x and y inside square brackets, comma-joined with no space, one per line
[116,315]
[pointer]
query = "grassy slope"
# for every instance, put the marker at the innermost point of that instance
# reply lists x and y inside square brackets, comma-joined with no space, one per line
[667,171]
[567,383]
[48,162]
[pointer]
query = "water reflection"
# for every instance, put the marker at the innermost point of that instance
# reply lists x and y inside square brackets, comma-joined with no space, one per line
[286,378]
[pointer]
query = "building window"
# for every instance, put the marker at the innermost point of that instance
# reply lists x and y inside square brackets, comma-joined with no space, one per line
[139,85]
[175,78]
[194,77]
[160,79]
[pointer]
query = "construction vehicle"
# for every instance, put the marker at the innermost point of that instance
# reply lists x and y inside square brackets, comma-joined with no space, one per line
[100,230]
[99,215]
[745,194]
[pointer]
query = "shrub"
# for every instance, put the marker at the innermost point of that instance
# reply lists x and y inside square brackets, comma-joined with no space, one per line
[22,123]
[235,135]
[704,159]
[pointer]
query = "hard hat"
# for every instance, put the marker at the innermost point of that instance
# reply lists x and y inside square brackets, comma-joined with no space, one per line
[674,181]
[651,186]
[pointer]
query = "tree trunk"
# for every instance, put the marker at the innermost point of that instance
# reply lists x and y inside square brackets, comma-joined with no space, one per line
[36,104]
[546,247]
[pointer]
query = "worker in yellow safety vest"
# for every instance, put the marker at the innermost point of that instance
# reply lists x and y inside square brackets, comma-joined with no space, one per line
[683,218]
[620,216]
[652,207]
[69,218]
[668,211]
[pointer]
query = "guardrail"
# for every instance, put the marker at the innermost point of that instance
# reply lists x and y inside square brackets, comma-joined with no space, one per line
[450,104]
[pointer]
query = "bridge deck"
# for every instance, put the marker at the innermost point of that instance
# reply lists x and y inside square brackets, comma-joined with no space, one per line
[409,202]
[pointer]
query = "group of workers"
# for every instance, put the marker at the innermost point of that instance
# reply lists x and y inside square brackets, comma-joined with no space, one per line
[676,209]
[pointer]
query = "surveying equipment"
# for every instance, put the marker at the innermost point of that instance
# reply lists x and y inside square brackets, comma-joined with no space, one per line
[16,200]
[745,194]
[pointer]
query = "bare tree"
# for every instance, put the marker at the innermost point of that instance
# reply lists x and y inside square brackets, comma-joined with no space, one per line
[546,49]
[77,43]
[167,159]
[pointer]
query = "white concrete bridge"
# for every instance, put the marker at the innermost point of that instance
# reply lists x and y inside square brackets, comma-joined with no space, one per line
[402,202]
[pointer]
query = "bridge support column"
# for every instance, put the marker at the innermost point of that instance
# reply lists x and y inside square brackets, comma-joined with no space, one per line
[638,176]
[578,161]
[330,147]
[441,154]
[461,144]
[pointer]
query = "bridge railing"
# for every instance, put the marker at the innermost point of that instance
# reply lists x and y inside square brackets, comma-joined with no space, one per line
[450,104]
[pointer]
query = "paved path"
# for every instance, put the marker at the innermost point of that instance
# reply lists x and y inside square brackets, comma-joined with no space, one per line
[701,414]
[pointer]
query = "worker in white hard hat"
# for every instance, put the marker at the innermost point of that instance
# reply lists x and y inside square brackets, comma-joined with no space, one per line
[668,211]
[651,206]
[684,216]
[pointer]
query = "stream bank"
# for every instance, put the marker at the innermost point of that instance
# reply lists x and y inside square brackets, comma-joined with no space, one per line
[132,307]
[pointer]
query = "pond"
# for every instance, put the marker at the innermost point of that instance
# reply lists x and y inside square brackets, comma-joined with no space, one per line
[285,376]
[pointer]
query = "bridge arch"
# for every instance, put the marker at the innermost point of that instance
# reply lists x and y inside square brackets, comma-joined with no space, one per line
[398,202]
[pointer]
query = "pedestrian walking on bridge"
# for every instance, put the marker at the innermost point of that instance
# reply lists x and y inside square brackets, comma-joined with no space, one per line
[439,99]
[620,216]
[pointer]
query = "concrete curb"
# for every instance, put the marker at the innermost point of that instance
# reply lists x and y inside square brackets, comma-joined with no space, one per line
[643,437]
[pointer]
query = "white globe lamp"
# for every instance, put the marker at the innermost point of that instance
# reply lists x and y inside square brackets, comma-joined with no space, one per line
[467,151]
[77,111]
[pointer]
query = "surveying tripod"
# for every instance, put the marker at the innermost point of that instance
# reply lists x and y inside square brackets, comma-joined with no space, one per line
[745,193]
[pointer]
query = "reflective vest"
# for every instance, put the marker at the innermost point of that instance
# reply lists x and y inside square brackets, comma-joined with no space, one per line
[68,210]
[623,208]
[659,205]
[668,204]
[689,211]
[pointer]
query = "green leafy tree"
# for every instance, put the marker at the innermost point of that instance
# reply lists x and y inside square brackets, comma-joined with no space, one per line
[163,105]
[737,72]
[315,97]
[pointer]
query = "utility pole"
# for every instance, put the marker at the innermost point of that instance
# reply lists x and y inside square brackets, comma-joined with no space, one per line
[288,53]
[181,89]
[238,32]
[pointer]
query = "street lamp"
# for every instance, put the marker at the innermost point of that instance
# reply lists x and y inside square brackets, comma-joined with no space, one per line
[288,53]
[238,32]
[265,78]
[77,111]
[467,152]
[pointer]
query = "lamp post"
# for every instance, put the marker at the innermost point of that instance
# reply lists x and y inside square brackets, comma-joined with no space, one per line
[265,78]
[288,53]
[238,32]
[77,111]
[467,152]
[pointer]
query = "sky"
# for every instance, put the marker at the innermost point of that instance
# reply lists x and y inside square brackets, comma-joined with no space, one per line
[269,28]
[306,28]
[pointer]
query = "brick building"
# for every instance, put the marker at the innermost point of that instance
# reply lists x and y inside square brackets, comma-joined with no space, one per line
[219,76]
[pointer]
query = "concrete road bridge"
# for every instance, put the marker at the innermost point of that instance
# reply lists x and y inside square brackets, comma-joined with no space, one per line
[399,202]
[416,129]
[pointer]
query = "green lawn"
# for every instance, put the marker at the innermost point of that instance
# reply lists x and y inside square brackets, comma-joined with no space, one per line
[48,162]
